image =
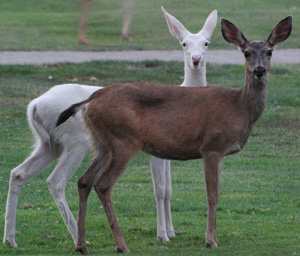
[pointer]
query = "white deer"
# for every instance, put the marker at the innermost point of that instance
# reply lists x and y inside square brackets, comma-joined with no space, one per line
[71,143]
[194,47]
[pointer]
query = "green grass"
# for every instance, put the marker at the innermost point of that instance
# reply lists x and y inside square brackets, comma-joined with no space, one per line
[44,25]
[259,207]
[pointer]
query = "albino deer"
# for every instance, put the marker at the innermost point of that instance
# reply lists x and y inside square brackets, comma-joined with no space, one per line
[128,7]
[173,123]
[71,144]
[194,47]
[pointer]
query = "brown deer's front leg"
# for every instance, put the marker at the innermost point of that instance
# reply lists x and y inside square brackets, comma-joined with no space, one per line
[213,163]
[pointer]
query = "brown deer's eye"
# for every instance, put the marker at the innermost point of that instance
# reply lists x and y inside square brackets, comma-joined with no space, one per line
[269,53]
[247,54]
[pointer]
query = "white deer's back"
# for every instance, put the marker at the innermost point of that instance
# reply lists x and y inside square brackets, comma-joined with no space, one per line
[43,112]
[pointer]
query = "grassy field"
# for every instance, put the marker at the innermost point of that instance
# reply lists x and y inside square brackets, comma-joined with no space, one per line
[43,25]
[259,207]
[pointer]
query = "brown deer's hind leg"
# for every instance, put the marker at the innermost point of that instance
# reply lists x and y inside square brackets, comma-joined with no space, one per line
[120,161]
[85,184]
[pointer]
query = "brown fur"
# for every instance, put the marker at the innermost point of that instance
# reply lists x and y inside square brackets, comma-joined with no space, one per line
[138,111]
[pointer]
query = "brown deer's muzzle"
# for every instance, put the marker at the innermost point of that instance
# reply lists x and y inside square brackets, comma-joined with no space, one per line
[259,72]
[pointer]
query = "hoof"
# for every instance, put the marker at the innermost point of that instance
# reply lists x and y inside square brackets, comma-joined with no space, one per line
[122,250]
[171,233]
[82,250]
[211,245]
[83,41]
[8,243]
[126,37]
[163,238]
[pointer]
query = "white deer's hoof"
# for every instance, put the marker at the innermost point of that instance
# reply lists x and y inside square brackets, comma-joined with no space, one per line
[163,238]
[171,233]
[211,245]
[10,243]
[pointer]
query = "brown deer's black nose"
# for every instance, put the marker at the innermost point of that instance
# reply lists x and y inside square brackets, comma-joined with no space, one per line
[259,71]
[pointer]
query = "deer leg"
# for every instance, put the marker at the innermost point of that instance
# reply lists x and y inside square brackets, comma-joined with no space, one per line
[158,168]
[213,163]
[168,195]
[34,164]
[67,165]
[128,6]
[85,184]
[104,190]
[84,11]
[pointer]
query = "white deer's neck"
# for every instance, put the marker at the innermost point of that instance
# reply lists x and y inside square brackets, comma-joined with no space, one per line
[194,77]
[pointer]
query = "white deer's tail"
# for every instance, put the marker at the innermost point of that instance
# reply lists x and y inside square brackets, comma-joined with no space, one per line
[36,125]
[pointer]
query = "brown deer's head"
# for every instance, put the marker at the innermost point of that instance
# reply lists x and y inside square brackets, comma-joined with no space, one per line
[257,53]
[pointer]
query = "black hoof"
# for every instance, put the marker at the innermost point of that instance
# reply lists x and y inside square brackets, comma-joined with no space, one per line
[120,250]
[82,250]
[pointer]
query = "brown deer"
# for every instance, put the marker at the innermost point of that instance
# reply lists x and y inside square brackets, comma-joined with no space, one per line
[173,122]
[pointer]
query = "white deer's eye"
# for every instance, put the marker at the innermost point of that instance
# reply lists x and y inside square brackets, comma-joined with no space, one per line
[206,43]
[184,44]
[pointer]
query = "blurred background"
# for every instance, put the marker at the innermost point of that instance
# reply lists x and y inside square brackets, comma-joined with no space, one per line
[53,25]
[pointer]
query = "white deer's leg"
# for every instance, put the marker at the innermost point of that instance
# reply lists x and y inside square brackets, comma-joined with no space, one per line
[159,181]
[34,164]
[67,165]
[168,195]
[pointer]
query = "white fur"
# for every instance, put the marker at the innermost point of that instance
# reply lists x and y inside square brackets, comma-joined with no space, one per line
[194,76]
[194,47]
[51,143]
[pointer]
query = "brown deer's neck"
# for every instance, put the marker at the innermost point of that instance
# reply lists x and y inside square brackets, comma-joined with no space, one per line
[254,96]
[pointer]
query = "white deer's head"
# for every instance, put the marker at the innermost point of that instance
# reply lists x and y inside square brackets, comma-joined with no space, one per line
[194,45]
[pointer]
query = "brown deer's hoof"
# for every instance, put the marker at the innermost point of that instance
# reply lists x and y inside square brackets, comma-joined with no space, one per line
[123,250]
[82,250]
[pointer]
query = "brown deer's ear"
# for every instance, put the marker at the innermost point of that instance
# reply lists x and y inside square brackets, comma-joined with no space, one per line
[281,31]
[233,34]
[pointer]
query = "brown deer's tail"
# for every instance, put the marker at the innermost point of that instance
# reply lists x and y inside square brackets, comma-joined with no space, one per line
[71,111]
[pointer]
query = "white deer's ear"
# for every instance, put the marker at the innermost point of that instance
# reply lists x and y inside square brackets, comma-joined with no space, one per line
[176,28]
[281,31]
[209,25]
